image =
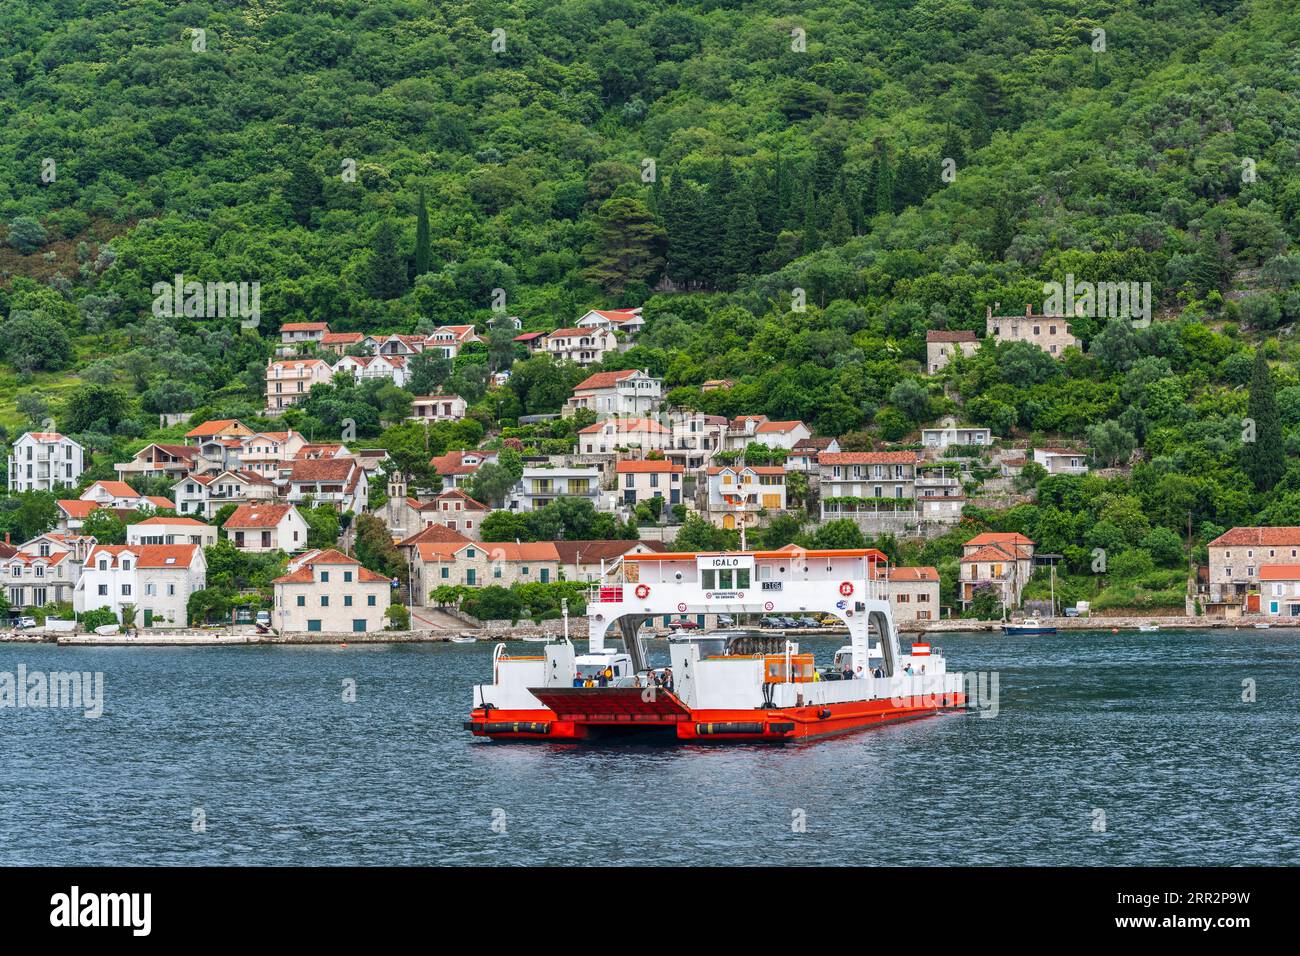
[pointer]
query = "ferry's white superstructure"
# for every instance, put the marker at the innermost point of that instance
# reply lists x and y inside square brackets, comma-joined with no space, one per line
[762,688]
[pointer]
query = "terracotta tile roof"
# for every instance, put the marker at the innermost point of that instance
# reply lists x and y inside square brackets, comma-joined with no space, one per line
[433,534]
[76,508]
[45,437]
[593,552]
[781,427]
[572,333]
[813,444]
[208,429]
[305,327]
[936,335]
[1279,572]
[867,458]
[160,502]
[118,489]
[996,552]
[303,575]
[176,451]
[1260,537]
[452,463]
[451,493]
[647,467]
[756,469]
[342,338]
[257,516]
[148,555]
[913,574]
[625,425]
[998,537]
[603,379]
[494,550]
[528,336]
[320,469]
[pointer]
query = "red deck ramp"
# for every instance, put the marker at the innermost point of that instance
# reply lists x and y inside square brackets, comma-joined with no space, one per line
[613,705]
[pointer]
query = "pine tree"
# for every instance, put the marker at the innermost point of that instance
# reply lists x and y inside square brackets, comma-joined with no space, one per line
[884,195]
[303,192]
[743,237]
[1263,455]
[423,255]
[628,246]
[812,239]
[386,278]
[841,229]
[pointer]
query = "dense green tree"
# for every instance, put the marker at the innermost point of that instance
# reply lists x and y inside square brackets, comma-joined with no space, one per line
[1262,447]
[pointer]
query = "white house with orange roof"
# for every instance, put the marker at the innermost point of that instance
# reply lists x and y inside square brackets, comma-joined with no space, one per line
[116,494]
[580,346]
[630,392]
[366,367]
[455,468]
[171,530]
[642,480]
[448,340]
[296,333]
[614,434]
[340,482]
[863,484]
[438,408]
[340,342]
[329,592]
[157,579]
[781,434]
[289,380]
[45,461]
[217,428]
[73,513]
[627,321]
[204,495]
[264,452]
[265,526]
[1003,561]
[39,572]
[172,461]
[737,493]
[742,431]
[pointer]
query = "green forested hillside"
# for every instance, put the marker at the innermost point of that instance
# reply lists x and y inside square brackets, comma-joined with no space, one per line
[906,164]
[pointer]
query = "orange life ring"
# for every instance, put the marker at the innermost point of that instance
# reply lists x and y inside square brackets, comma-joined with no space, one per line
[643,591]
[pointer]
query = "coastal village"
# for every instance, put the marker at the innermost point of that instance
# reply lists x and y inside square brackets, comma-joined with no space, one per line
[354,547]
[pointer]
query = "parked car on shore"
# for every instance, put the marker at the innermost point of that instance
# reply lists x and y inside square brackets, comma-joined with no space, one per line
[683,624]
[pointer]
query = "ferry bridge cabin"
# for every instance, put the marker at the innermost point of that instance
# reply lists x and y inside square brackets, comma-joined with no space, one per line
[851,584]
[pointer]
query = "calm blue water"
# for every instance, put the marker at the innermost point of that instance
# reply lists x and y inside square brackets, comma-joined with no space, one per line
[1148,728]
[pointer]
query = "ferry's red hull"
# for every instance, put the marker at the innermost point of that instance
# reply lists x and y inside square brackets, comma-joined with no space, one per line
[774,725]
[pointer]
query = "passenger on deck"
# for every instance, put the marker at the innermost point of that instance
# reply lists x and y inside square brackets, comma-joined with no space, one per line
[878,672]
[847,673]
[577,680]
[861,674]
[908,670]
[668,678]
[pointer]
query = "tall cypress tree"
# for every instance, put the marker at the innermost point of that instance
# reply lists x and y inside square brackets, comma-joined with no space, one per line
[386,278]
[423,255]
[1263,456]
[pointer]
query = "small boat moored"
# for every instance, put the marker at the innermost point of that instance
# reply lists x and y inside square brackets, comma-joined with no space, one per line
[1148,628]
[1030,625]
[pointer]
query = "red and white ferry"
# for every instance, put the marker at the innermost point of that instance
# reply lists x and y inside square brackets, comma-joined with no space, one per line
[726,685]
